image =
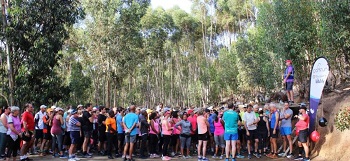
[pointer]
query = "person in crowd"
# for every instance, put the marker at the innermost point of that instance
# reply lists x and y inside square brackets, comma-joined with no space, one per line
[210,113]
[166,131]
[175,137]
[185,136]
[74,132]
[288,79]
[219,131]
[3,130]
[263,132]
[102,138]
[120,135]
[130,122]
[302,125]
[111,133]
[46,131]
[144,127]
[87,128]
[274,131]
[241,136]
[286,130]
[39,125]
[14,133]
[231,122]
[57,132]
[28,127]
[192,118]
[154,132]
[250,124]
[203,135]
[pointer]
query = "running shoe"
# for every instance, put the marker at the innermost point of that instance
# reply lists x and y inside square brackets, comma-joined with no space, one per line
[205,159]
[240,156]
[298,158]
[289,156]
[280,154]
[249,156]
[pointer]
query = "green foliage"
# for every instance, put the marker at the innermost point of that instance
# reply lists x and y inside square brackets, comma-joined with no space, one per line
[35,34]
[342,119]
[79,84]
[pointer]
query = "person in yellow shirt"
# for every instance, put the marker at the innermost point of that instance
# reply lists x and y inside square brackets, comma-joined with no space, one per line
[111,133]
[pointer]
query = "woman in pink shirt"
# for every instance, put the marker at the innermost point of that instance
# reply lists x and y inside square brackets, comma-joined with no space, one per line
[175,138]
[203,135]
[219,135]
[303,126]
[166,131]
[153,134]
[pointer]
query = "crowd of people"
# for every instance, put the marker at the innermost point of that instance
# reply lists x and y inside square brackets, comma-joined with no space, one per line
[226,132]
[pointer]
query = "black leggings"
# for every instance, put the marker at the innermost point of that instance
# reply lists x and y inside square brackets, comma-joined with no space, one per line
[262,140]
[111,141]
[153,142]
[12,146]
[166,139]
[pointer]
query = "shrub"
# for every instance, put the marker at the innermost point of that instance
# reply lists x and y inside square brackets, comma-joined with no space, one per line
[342,119]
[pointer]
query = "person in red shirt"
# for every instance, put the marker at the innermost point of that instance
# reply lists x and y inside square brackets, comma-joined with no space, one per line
[303,126]
[28,126]
[193,120]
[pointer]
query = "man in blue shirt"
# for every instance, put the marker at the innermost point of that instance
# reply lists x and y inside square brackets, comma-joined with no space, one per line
[130,122]
[288,79]
[121,136]
[231,121]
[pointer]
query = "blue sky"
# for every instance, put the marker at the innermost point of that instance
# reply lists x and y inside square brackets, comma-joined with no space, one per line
[167,4]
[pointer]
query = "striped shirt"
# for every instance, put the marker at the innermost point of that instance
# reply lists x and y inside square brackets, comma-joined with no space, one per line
[73,124]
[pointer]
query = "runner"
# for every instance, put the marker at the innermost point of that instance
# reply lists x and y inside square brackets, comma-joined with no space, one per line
[121,136]
[3,130]
[263,130]
[286,130]
[288,79]
[203,135]
[231,121]
[74,128]
[274,131]
[39,125]
[166,131]
[57,132]
[144,126]
[153,135]
[185,136]
[111,133]
[219,131]
[102,138]
[130,122]
[87,127]
[302,125]
[250,122]
[28,127]
[14,131]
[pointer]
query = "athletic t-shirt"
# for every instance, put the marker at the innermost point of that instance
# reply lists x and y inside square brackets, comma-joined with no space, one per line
[287,122]
[101,118]
[130,119]
[29,119]
[193,121]
[165,130]
[303,124]
[211,123]
[250,118]
[202,126]
[230,118]
[87,125]
[112,122]
[40,123]
[119,124]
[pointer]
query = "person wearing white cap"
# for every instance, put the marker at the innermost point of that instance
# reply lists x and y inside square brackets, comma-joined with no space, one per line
[39,124]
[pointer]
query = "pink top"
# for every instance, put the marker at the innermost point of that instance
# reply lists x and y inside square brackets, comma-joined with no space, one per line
[165,130]
[202,126]
[193,121]
[156,126]
[303,124]
[219,129]
[176,131]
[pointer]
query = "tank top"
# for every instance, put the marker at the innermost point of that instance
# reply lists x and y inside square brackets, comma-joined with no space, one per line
[202,126]
[273,120]
[3,129]
[219,129]
[165,131]
[262,125]
[156,127]
[56,127]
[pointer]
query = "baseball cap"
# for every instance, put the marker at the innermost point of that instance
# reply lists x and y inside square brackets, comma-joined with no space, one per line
[288,61]
[59,109]
[49,110]
[74,111]
[303,106]
[43,106]
[189,111]
[53,107]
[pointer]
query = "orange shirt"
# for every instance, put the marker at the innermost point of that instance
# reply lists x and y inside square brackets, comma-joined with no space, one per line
[112,122]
